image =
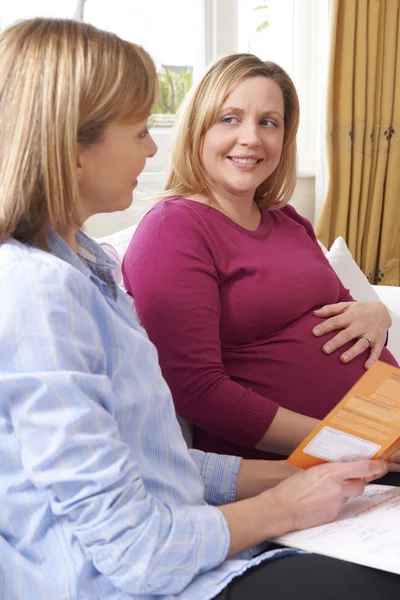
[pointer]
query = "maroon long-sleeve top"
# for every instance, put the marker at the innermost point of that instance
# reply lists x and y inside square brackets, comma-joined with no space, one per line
[231,314]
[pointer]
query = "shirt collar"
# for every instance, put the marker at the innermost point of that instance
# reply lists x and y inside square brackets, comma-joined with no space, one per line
[90,259]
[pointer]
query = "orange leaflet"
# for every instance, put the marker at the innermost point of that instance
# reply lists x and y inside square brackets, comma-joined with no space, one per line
[365,424]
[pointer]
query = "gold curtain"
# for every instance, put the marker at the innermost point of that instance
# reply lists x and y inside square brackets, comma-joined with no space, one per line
[363,119]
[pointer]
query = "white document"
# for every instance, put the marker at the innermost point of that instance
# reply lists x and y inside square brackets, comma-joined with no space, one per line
[366,532]
[337,446]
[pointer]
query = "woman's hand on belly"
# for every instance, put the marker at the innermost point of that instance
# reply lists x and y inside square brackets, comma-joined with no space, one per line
[365,322]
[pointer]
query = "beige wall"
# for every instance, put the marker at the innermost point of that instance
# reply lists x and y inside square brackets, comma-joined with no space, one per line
[304,197]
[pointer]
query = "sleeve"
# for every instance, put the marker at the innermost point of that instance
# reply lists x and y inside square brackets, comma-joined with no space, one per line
[219,474]
[60,405]
[170,270]
[344,293]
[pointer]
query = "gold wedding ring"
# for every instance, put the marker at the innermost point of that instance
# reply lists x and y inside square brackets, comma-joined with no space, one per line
[369,340]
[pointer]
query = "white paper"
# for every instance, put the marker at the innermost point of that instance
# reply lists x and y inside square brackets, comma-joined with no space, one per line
[337,446]
[367,531]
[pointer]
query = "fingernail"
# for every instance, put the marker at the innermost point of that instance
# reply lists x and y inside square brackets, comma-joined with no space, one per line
[344,358]
[327,349]
[316,331]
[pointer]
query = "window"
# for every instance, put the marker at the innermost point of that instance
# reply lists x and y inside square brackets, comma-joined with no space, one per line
[25,9]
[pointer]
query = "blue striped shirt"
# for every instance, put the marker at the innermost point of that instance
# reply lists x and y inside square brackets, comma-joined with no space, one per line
[99,497]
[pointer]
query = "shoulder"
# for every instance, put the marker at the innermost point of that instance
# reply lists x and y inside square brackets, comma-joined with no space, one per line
[173,222]
[289,214]
[32,276]
[51,315]
[175,210]
[171,237]
[16,257]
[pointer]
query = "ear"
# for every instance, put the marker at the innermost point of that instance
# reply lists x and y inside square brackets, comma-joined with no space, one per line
[80,151]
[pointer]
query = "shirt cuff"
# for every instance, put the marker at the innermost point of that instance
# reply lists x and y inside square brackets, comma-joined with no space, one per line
[219,474]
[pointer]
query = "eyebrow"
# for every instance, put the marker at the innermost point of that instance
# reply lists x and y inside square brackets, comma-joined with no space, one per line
[240,110]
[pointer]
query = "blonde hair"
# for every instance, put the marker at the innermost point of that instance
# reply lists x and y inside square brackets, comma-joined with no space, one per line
[61,82]
[186,174]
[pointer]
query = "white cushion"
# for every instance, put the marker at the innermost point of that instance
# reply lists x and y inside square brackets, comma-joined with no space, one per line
[389,295]
[349,272]
[353,278]
[119,240]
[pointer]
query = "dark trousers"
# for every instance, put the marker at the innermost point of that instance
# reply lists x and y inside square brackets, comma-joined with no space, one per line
[312,577]
[315,577]
[389,479]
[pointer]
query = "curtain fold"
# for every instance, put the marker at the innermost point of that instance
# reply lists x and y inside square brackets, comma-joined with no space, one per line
[363,119]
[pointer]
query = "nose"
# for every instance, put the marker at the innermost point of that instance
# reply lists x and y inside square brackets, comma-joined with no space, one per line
[152,149]
[249,135]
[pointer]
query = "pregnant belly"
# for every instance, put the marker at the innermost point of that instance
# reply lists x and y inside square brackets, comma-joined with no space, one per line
[290,368]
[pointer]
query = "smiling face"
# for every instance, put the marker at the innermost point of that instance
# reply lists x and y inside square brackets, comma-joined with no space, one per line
[243,146]
[108,170]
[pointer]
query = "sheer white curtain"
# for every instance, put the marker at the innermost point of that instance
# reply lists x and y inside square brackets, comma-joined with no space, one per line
[79,9]
[322,49]
[15,10]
